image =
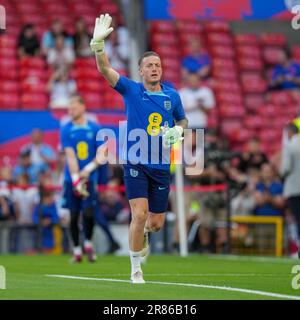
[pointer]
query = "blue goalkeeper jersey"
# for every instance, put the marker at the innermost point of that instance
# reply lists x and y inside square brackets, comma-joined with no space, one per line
[146,112]
[82,138]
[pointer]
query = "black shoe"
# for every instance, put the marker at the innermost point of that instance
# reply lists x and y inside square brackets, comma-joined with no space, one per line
[299,254]
[114,246]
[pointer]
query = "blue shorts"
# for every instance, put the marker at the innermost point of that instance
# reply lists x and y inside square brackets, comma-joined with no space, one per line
[76,204]
[144,182]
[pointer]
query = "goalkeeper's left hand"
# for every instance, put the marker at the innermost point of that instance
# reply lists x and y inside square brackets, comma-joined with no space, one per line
[171,135]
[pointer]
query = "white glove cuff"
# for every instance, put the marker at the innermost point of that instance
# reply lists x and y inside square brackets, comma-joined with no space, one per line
[97,46]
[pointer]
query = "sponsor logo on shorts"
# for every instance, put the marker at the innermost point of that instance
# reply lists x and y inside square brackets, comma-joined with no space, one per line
[162,188]
[134,173]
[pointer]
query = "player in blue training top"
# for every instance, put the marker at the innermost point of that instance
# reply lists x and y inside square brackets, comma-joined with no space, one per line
[152,110]
[78,140]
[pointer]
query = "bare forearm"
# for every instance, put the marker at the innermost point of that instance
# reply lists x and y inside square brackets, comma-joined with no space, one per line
[182,123]
[72,161]
[105,68]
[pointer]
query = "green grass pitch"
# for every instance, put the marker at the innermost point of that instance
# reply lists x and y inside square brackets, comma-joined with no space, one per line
[170,277]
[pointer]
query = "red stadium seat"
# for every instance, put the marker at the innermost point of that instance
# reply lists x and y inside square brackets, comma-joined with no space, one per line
[163,27]
[253,101]
[253,122]
[9,101]
[161,38]
[33,63]
[189,27]
[226,52]
[221,62]
[248,51]
[229,98]
[280,97]
[251,64]
[217,26]
[225,73]
[253,83]
[29,72]
[217,38]
[9,86]
[246,39]
[232,111]
[93,86]
[231,86]
[8,42]
[33,85]
[93,100]
[34,101]
[273,39]
[272,55]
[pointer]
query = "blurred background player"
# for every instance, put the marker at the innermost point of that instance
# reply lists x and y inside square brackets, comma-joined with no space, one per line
[149,105]
[78,139]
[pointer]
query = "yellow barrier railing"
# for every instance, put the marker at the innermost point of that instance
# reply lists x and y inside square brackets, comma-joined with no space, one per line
[277,221]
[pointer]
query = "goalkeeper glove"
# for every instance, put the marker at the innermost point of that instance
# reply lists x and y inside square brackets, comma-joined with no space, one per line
[171,135]
[101,31]
[79,186]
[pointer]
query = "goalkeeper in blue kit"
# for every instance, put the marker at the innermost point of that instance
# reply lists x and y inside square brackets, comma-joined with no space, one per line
[157,110]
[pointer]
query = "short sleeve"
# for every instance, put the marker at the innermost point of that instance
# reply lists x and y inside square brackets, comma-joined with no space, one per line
[65,138]
[124,85]
[178,112]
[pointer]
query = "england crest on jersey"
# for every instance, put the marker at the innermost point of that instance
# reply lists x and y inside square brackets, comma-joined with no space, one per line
[167,105]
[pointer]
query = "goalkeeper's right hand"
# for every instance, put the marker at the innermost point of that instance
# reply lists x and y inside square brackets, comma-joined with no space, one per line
[101,31]
[80,186]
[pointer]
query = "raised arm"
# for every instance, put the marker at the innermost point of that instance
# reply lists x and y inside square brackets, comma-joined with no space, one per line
[101,32]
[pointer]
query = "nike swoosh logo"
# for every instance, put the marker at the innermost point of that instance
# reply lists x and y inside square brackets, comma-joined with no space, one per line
[146,99]
[161,188]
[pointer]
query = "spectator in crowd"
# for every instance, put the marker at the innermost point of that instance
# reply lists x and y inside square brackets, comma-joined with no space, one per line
[82,39]
[112,205]
[253,157]
[28,42]
[6,177]
[117,52]
[244,203]
[49,37]
[40,153]
[197,101]
[61,56]
[269,193]
[6,206]
[197,61]
[46,216]
[290,170]
[26,166]
[61,87]
[285,75]
[24,199]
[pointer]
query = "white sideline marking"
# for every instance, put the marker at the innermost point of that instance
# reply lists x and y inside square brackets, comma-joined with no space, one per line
[200,274]
[255,292]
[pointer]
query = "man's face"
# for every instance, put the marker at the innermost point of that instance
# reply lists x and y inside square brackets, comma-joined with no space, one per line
[253,146]
[57,27]
[151,69]
[76,109]
[267,172]
[37,136]
[194,81]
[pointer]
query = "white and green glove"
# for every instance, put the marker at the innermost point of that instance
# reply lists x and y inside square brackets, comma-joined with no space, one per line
[171,135]
[101,31]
